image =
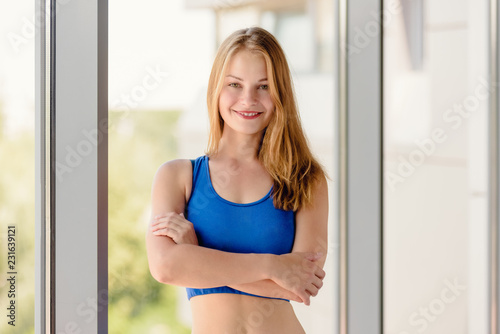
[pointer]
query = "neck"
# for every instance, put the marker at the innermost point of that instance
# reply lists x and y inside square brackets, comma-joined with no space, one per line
[239,146]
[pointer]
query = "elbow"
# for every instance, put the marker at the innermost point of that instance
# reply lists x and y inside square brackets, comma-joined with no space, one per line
[161,274]
[161,270]
[165,265]
[160,260]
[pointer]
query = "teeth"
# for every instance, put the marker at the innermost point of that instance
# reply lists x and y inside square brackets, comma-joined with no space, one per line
[249,114]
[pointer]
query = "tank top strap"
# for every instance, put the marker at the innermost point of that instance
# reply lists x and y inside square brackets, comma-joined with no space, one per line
[198,171]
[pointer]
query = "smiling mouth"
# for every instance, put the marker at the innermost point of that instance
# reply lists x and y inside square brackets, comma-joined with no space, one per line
[248,113]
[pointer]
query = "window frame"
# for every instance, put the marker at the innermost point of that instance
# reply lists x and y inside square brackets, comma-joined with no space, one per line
[71,166]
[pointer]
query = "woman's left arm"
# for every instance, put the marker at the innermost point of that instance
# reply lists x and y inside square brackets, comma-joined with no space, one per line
[311,235]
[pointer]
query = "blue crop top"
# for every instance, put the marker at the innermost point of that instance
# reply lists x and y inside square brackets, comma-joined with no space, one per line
[256,227]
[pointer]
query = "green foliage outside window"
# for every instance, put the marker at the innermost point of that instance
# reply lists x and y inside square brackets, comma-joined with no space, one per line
[17,203]
[139,142]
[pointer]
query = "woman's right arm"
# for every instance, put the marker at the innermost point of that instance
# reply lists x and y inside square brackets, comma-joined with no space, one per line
[200,267]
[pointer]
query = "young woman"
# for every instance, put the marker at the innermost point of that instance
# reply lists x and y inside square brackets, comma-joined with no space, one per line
[245,226]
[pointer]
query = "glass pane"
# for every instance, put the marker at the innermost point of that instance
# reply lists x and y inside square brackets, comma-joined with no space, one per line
[435,166]
[17,158]
[159,69]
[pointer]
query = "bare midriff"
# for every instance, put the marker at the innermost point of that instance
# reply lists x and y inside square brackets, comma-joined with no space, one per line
[225,313]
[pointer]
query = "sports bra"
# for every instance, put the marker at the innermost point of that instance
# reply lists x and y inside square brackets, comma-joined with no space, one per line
[256,227]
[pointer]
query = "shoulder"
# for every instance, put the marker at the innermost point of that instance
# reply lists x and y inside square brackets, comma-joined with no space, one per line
[319,197]
[320,188]
[176,173]
[174,178]
[175,168]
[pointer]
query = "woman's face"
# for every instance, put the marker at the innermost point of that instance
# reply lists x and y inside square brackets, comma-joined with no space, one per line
[245,102]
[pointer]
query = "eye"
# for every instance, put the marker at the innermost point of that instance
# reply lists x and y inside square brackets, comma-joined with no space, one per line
[234,85]
[264,87]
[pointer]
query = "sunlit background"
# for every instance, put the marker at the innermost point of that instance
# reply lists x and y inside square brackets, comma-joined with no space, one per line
[159,71]
[17,158]
[160,55]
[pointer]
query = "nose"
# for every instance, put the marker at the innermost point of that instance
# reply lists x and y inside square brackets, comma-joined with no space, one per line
[248,97]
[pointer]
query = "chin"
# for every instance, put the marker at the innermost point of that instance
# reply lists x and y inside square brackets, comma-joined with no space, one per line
[248,131]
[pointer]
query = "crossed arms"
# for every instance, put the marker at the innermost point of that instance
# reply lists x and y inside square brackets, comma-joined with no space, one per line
[175,258]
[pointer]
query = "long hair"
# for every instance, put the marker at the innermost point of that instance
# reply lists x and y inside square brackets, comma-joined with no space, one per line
[284,151]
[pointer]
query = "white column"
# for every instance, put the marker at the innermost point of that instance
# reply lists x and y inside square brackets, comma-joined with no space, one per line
[494,182]
[71,167]
[361,203]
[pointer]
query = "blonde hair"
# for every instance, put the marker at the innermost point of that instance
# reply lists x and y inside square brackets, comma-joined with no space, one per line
[284,151]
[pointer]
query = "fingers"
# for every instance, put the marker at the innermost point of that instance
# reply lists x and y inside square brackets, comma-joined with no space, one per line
[166,232]
[313,285]
[171,220]
[306,298]
[304,294]
[317,282]
[316,285]
[166,225]
[300,276]
[175,226]
[320,273]
[312,290]
[297,299]
[170,216]
[313,276]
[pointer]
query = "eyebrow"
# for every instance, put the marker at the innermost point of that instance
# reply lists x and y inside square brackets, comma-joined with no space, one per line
[235,77]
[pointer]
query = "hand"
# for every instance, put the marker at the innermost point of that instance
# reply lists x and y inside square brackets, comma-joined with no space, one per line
[298,273]
[175,226]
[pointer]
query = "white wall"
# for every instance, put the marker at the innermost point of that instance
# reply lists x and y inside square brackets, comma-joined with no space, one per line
[435,221]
